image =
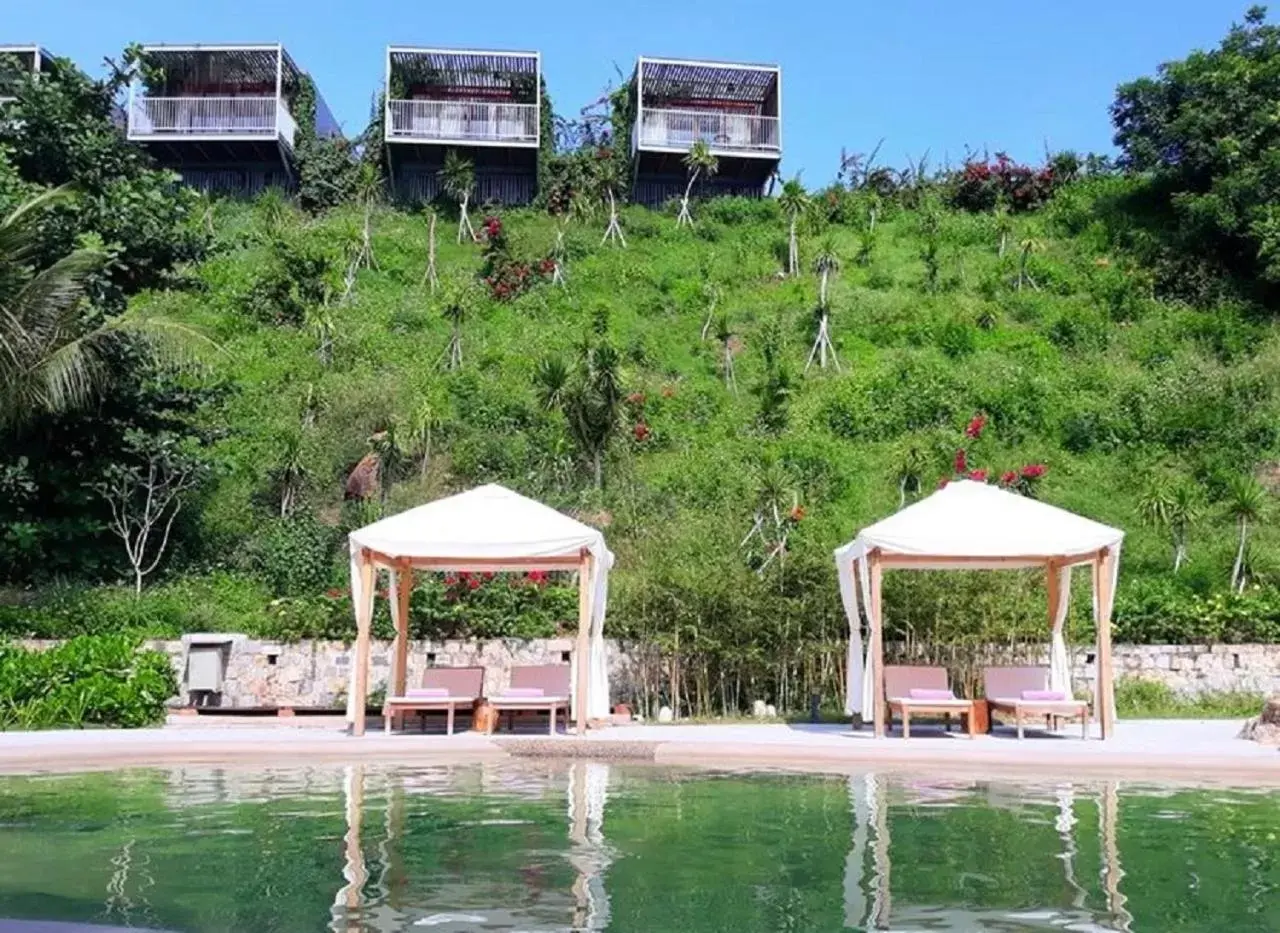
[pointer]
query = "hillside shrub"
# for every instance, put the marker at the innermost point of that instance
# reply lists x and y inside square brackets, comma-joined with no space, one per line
[983,183]
[103,680]
[1162,614]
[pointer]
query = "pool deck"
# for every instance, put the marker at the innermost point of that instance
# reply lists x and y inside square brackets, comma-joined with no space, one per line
[1165,750]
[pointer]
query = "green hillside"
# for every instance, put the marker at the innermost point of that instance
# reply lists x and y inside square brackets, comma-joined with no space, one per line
[1048,331]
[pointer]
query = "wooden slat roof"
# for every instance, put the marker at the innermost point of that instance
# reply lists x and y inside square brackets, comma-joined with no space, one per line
[462,68]
[713,80]
[247,63]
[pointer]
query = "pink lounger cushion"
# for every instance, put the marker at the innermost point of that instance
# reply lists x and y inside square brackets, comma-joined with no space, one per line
[1044,695]
[921,693]
[426,693]
[521,693]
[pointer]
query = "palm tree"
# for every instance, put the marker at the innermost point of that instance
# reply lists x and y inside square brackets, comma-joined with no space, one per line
[415,441]
[1026,248]
[700,163]
[320,322]
[457,303]
[1246,502]
[909,472]
[1004,226]
[795,203]
[1172,508]
[458,179]
[290,474]
[53,357]
[726,337]
[589,395]
[826,264]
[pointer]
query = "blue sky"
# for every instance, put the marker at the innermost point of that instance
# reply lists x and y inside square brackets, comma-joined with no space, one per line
[932,75]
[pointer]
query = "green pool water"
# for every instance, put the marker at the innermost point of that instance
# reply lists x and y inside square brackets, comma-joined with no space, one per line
[588,846]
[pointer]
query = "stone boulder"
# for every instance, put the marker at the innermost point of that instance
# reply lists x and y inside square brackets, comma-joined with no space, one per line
[1265,728]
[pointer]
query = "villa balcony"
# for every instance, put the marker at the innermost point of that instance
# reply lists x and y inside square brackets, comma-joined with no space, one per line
[724,133]
[211,118]
[468,123]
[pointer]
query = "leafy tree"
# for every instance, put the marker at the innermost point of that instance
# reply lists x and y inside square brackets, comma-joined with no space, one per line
[795,203]
[145,499]
[774,391]
[700,163]
[1246,502]
[1204,130]
[60,130]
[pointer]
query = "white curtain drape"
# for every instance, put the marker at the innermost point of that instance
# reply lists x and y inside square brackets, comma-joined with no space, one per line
[851,572]
[1059,659]
[598,706]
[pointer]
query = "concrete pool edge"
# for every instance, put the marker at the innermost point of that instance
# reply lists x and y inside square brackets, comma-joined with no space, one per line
[1178,752]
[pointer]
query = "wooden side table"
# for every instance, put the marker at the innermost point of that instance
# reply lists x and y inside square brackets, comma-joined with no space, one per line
[981,718]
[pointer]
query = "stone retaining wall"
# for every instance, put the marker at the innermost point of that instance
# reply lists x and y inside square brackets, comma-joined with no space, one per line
[313,674]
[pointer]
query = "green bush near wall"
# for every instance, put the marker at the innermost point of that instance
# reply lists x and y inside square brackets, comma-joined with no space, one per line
[100,680]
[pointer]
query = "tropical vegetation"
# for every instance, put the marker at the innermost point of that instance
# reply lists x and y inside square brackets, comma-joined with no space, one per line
[1099,335]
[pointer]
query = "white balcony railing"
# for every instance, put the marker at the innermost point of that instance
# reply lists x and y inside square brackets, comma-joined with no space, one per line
[680,129]
[465,121]
[212,116]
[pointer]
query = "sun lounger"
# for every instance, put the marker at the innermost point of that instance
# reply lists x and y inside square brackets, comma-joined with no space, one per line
[535,689]
[443,688]
[914,690]
[1023,691]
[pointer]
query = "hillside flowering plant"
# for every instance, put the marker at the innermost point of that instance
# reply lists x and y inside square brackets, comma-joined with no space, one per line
[981,184]
[506,276]
[1022,480]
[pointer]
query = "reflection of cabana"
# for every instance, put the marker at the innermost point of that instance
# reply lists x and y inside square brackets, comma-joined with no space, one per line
[484,529]
[868,902]
[589,854]
[972,526]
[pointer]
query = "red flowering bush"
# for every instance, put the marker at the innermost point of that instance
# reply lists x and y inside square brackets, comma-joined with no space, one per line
[635,398]
[506,276]
[981,184]
[796,514]
[1021,480]
[641,432]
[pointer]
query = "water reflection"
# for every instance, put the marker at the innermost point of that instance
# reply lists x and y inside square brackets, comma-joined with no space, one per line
[585,846]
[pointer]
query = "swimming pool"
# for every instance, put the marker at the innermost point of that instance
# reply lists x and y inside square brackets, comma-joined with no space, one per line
[549,846]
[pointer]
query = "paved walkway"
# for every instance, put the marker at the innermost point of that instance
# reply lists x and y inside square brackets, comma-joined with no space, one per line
[1168,750]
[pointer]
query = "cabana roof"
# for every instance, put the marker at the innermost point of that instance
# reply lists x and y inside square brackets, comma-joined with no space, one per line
[475,69]
[968,522]
[728,81]
[233,63]
[483,525]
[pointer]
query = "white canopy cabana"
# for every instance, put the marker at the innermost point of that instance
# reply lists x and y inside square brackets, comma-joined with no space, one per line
[968,525]
[489,528]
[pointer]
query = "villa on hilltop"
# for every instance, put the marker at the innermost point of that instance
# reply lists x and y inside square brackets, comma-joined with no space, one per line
[29,58]
[225,117]
[734,108]
[484,104]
